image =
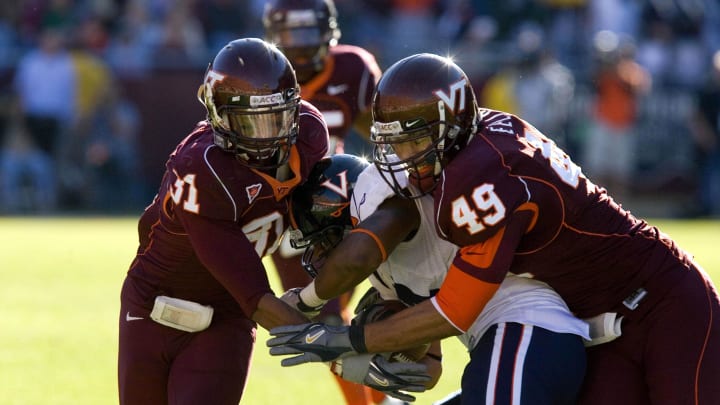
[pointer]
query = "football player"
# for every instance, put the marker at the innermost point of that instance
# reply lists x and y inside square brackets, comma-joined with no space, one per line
[339,80]
[197,288]
[511,200]
[522,326]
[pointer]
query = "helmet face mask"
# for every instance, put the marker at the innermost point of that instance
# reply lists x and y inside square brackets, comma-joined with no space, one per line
[318,246]
[304,30]
[252,99]
[424,112]
[320,208]
[416,154]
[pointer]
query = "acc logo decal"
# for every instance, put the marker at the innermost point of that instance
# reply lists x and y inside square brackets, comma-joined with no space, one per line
[253,191]
[451,99]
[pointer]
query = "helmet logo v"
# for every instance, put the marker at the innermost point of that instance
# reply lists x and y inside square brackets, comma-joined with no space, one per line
[342,189]
[451,99]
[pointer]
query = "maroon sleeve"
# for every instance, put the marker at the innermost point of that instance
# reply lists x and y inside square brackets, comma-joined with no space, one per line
[368,86]
[226,252]
[313,137]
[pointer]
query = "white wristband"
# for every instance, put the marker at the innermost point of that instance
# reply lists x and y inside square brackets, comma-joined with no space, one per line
[309,297]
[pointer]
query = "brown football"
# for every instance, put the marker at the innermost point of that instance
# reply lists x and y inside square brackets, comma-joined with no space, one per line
[385,309]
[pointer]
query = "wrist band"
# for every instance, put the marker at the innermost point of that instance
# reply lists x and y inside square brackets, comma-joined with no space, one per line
[309,296]
[357,338]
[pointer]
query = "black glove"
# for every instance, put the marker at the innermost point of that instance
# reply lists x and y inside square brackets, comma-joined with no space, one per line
[315,342]
[379,374]
[370,298]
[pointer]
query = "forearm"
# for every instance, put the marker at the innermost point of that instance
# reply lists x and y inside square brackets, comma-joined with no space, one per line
[408,328]
[342,272]
[272,312]
[433,362]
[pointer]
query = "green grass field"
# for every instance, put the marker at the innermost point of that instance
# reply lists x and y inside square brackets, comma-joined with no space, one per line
[59,299]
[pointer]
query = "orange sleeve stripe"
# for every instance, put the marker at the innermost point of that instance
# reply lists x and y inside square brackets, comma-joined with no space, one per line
[481,255]
[374,237]
[532,207]
[462,297]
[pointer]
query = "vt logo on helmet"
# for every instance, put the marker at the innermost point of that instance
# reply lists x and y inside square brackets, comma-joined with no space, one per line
[424,112]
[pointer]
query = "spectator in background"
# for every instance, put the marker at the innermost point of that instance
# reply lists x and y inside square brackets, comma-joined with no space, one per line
[130,49]
[45,85]
[672,48]
[109,154]
[533,84]
[27,181]
[224,20]
[412,28]
[182,39]
[608,155]
[45,82]
[94,79]
[705,126]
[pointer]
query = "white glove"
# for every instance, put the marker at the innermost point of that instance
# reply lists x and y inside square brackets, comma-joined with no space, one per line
[292,298]
[374,371]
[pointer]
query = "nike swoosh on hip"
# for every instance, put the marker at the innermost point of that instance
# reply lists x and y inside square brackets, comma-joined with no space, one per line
[132,318]
[312,338]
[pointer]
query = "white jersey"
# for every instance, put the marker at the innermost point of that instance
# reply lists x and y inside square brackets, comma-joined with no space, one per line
[416,269]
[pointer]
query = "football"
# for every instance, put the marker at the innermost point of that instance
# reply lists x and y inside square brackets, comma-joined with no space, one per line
[382,310]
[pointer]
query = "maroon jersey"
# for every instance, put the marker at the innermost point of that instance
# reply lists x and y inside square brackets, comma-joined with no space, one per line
[344,87]
[576,236]
[213,219]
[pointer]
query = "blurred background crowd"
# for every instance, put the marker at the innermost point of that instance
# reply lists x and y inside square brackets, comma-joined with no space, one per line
[96,93]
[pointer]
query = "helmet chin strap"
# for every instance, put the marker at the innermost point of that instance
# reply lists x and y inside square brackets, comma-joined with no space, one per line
[441,144]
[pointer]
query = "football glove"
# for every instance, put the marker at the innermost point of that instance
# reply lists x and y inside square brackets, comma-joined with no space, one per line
[292,298]
[370,298]
[381,375]
[313,342]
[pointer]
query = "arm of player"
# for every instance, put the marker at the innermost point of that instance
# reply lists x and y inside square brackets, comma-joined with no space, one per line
[366,247]
[473,278]
[272,312]
[232,260]
[318,342]
[433,362]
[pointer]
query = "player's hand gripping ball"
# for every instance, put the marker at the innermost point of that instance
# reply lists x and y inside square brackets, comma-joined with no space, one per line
[383,309]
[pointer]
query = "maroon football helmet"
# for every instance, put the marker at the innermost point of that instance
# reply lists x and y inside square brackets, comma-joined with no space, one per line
[304,30]
[425,103]
[252,99]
